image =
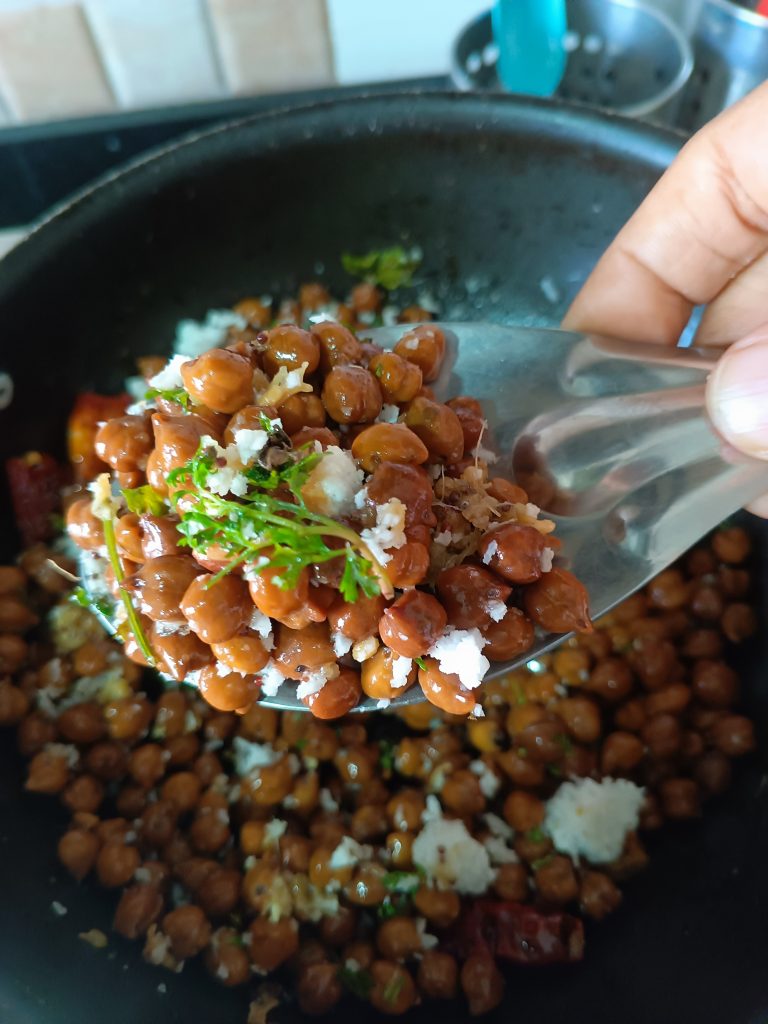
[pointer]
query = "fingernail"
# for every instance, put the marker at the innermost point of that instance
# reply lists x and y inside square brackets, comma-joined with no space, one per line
[737,395]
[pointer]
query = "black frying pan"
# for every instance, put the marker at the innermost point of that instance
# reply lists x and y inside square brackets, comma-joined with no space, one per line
[502,194]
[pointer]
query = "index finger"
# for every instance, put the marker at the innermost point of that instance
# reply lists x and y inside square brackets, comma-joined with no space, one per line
[703,223]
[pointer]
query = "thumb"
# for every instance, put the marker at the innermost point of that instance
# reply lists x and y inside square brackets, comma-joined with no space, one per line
[737,394]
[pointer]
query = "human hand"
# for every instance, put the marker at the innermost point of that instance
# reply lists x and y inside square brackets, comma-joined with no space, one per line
[700,238]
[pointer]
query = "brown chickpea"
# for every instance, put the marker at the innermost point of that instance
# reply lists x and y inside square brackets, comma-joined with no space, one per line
[734,582]
[179,654]
[680,798]
[116,863]
[438,975]
[713,772]
[412,485]
[408,565]
[245,653]
[13,654]
[177,439]
[124,442]
[82,723]
[558,602]
[48,772]
[227,692]
[290,346]
[412,623]
[654,661]
[14,705]
[182,750]
[209,830]
[160,585]
[509,638]
[302,410]
[271,785]
[159,537]
[388,442]
[146,764]
[351,395]
[598,895]
[556,880]
[107,760]
[611,679]
[307,436]
[739,622]
[188,929]
[405,809]
[34,732]
[275,601]
[621,752]
[581,717]
[303,650]
[129,718]
[523,811]
[398,379]
[468,594]
[393,991]
[319,988]
[158,823]
[139,907]
[470,415]
[131,800]
[226,959]
[482,984]
[461,793]
[83,527]
[13,578]
[341,928]
[438,427]
[218,610]
[356,619]
[715,683]
[734,735]
[673,699]
[399,846]
[182,789]
[425,347]
[445,690]
[250,417]
[338,345]
[631,716]
[398,938]
[171,714]
[707,603]
[731,545]
[543,741]
[440,907]
[376,676]
[662,735]
[271,943]
[511,883]
[128,536]
[337,697]
[85,793]
[77,851]
[668,590]
[220,379]
[218,892]
[514,552]
[257,313]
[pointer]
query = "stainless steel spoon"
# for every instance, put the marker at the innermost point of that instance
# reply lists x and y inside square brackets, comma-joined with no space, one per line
[610,438]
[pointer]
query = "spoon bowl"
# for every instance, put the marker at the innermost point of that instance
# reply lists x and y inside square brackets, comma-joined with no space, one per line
[609,438]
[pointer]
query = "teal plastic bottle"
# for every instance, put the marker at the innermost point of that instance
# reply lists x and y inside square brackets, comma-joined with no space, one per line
[529,35]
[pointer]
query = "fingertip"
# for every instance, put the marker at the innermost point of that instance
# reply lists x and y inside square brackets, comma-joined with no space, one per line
[737,395]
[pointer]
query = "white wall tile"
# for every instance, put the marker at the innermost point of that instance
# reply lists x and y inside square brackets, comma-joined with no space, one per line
[270,45]
[49,66]
[156,51]
[376,40]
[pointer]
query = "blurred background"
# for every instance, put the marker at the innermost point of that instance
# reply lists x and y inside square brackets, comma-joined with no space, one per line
[85,84]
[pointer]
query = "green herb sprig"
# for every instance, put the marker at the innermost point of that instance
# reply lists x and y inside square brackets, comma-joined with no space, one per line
[359,983]
[177,395]
[143,499]
[391,268]
[267,531]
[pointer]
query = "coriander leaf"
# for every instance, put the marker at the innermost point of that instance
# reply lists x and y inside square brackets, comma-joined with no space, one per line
[536,834]
[81,596]
[421,663]
[177,395]
[401,881]
[398,904]
[143,499]
[389,268]
[541,862]
[379,370]
[387,756]
[393,988]
[359,983]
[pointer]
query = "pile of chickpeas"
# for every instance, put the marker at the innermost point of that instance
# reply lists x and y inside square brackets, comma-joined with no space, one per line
[500,563]
[190,848]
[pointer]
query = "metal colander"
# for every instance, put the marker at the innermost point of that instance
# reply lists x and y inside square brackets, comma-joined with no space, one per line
[622,55]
